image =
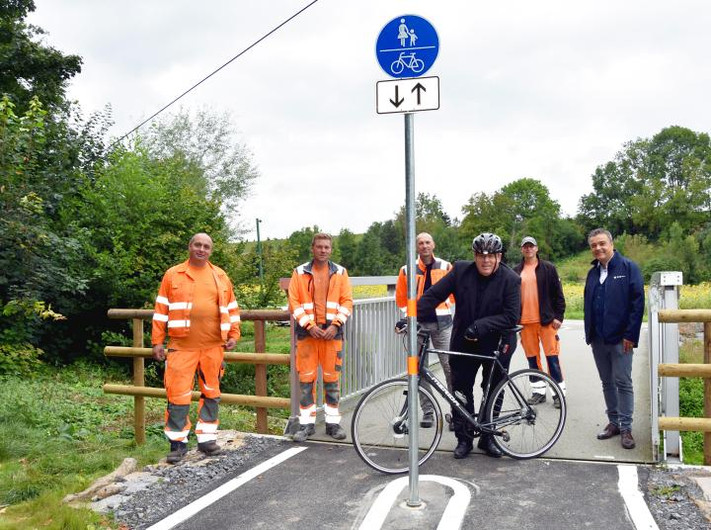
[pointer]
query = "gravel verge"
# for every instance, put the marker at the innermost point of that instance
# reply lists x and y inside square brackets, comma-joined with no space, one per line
[675,499]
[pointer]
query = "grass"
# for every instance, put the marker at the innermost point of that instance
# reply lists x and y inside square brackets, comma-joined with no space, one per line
[59,432]
[691,401]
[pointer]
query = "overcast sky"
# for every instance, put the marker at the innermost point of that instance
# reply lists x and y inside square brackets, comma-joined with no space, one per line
[546,89]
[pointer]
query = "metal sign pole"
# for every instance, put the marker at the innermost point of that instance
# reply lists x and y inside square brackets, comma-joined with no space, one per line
[412,372]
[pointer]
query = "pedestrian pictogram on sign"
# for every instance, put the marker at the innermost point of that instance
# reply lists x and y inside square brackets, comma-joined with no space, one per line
[407,46]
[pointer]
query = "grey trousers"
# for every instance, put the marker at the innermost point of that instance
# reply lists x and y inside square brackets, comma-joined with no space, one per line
[615,369]
[440,339]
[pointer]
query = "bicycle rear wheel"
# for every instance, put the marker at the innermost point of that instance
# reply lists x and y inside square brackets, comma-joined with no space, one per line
[380,427]
[528,430]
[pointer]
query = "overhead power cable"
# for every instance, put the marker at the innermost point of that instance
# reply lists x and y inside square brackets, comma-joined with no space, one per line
[292,17]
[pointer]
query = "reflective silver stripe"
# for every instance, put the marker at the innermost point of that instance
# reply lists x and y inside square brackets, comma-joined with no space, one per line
[442,311]
[332,305]
[180,305]
[179,324]
[234,319]
[176,436]
[226,326]
[344,310]
[330,316]
[160,318]
[205,427]
[232,305]
[305,320]
[298,311]
[162,300]
[224,310]
[342,317]
[307,305]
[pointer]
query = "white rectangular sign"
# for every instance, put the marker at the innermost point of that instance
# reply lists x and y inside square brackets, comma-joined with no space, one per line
[407,95]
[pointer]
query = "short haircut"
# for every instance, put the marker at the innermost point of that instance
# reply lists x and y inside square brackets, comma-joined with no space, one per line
[321,235]
[423,234]
[200,234]
[597,232]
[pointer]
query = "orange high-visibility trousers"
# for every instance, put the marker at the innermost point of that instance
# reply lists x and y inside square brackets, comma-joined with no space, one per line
[179,380]
[310,354]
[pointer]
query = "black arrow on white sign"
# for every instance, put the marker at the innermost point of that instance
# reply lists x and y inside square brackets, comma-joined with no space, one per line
[397,101]
[419,89]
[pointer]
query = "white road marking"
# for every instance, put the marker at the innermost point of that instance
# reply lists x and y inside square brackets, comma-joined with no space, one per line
[451,518]
[628,485]
[228,487]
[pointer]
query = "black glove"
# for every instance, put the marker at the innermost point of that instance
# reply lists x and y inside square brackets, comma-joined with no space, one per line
[401,326]
[472,333]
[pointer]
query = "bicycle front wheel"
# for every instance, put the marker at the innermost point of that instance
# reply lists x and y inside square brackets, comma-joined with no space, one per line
[380,427]
[527,430]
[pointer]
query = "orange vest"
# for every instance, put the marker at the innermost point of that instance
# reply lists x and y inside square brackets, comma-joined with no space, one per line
[174,302]
[440,267]
[339,300]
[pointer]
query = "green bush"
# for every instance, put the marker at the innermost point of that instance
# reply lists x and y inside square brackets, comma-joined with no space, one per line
[19,360]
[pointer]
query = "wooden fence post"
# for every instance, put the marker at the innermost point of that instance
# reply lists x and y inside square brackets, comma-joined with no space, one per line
[260,375]
[707,392]
[139,402]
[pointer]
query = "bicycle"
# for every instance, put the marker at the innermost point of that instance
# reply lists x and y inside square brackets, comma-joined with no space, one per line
[407,61]
[520,430]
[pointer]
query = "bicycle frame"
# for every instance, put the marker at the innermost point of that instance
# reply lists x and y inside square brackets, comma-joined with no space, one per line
[428,375]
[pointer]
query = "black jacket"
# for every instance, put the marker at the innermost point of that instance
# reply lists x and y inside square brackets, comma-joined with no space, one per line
[499,307]
[551,302]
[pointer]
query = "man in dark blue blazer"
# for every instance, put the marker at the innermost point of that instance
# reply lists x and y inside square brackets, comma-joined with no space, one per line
[614,305]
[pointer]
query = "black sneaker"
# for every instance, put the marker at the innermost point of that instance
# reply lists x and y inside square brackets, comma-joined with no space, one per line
[304,432]
[177,451]
[209,448]
[556,402]
[334,430]
[537,399]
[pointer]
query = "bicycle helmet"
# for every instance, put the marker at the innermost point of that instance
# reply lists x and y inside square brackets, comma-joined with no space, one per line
[487,243]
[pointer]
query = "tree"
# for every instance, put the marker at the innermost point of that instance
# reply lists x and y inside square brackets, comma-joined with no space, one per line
[208,142]
[29,68]
[652,183]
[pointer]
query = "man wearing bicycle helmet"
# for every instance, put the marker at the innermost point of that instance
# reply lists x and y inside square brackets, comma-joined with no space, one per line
[488,295]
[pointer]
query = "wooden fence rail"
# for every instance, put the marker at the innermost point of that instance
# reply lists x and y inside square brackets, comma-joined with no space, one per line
[691,370]
[259,358]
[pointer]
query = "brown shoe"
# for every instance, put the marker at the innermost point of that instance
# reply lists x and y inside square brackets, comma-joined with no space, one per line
[627,440]
[608,432]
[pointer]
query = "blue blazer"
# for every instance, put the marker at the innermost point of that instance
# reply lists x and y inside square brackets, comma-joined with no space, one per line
[624,300]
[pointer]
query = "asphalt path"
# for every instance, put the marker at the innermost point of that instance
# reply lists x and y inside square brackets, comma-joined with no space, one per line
[327,486]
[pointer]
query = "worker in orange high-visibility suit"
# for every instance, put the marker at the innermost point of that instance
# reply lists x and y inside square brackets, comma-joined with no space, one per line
[320,300]
[196,306]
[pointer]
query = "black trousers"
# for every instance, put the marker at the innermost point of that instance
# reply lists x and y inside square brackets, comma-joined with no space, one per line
[464,371]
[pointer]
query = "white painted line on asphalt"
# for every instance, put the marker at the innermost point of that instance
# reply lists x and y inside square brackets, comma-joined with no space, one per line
[637,508]
[228,487]
[452,516]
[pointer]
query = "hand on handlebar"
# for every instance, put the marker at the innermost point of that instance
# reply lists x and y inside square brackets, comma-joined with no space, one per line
[401,326]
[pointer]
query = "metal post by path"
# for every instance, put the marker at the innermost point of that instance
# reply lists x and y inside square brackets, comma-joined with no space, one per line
[412,371]
[259,257]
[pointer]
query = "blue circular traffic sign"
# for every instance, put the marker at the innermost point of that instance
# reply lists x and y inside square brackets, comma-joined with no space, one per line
[407,46]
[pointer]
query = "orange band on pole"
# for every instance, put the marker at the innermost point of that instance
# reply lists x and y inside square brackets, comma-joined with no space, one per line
[412,308]
[412,365]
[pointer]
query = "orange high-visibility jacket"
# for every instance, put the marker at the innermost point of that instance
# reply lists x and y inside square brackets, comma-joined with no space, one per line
[440,267]
[339,300]
[174,302]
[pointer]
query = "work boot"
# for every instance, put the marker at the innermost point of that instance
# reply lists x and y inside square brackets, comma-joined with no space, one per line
[304,432]
[464,447]
[427,420]
[334,430]
[177,452]
[537,399]
[486,444]
[556,402]
[627,440]
[209,448]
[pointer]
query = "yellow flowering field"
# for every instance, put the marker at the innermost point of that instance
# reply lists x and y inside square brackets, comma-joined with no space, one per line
[695,296]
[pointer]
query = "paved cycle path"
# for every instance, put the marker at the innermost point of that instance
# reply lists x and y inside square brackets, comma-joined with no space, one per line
[327,486]
[586,406]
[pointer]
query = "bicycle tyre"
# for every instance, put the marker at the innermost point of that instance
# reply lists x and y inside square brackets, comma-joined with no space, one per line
[375,436]
[397,67]
[418,65]
[530,430]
